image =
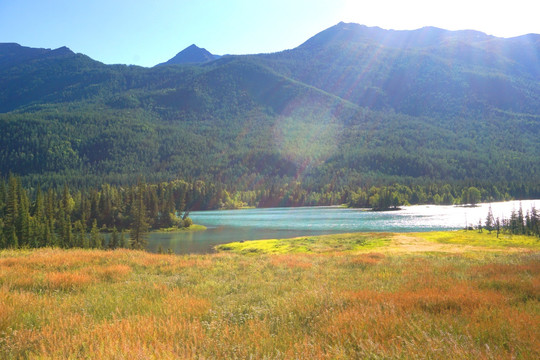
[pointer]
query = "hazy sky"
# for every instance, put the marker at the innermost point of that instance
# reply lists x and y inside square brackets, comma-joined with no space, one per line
[145,32]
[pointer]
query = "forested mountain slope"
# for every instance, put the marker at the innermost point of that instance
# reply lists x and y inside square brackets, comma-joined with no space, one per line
[352,106]
[422,72]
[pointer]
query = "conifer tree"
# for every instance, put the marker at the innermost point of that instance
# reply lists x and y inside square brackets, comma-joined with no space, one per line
[80,234]
[489,220]
[95,238]
[38,208]
[84,236]
[114,241]
[3,196]
[12,242]
[68,236]
[60,227]
[520,221]
[124,243]
[139,224]
[11,213]
[23,217]
[535,222]
[2,240]
[49,236]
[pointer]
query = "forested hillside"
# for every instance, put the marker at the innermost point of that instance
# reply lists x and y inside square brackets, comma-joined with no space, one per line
[353,107]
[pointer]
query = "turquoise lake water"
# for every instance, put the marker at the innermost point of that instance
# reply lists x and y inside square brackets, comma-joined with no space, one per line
[253,224]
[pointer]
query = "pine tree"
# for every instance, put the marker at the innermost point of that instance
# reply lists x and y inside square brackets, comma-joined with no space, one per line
[489,220]
[96,240]
[84,236]
[520,219]
[12,242]
[68,236]
[513,223]
[60,227]
[85,210]
[114,242]
[48,235]
[23,217]
[80,233]
[2,240]
[11,213]
[3,196]
[124,242]
[535,222]
[139,224]
[67,200]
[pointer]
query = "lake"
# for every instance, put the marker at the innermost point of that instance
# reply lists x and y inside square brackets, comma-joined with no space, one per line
[254,224]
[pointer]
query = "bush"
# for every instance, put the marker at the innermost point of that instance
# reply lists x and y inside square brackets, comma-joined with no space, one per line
[187,222]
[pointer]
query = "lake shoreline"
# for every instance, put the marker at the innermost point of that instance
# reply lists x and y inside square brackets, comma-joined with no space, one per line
[451,241]
[226,226]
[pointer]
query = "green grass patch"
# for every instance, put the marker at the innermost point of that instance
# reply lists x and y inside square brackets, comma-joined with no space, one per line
[310,244]
[474,238]
[194,227]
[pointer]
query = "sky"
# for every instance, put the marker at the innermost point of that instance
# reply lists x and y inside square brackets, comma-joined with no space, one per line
[148,32]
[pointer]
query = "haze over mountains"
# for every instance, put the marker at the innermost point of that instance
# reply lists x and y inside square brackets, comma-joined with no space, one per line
[352,105]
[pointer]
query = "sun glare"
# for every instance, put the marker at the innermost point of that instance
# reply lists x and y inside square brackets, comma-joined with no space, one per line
[498,18]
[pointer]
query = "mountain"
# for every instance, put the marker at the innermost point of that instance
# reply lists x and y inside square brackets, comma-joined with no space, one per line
[12,54]
[352,106]
[42,75]
[191,55]
[422,72]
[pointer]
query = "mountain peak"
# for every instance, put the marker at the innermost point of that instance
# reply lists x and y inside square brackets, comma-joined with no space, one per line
[191,55]
[425,37]
[62,51]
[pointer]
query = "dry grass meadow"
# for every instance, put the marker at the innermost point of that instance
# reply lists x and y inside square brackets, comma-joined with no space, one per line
[377,296]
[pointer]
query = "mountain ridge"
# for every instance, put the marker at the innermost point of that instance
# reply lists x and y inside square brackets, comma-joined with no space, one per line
[344,108]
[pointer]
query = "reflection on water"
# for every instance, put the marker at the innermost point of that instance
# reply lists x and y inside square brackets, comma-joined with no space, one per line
[253,224]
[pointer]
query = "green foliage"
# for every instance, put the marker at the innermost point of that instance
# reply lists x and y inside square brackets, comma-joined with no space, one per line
[392,196]
[47,219]
[187,222]
[139,225]
[520,223]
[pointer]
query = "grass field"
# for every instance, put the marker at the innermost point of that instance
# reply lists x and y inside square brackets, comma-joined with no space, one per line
[430,295]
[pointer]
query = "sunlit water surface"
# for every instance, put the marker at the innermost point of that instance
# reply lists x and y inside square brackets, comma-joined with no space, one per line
[253,224]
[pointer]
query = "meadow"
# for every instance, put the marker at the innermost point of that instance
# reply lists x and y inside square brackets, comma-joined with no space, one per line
[432,295]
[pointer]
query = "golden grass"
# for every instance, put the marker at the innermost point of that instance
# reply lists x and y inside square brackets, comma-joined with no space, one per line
[122,304]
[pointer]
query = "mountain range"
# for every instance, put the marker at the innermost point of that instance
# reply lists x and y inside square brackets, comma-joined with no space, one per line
[353,105]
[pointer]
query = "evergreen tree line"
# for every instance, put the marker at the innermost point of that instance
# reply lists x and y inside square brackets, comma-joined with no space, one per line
[375,197]
[519,223]
[388,197]
[69,219]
